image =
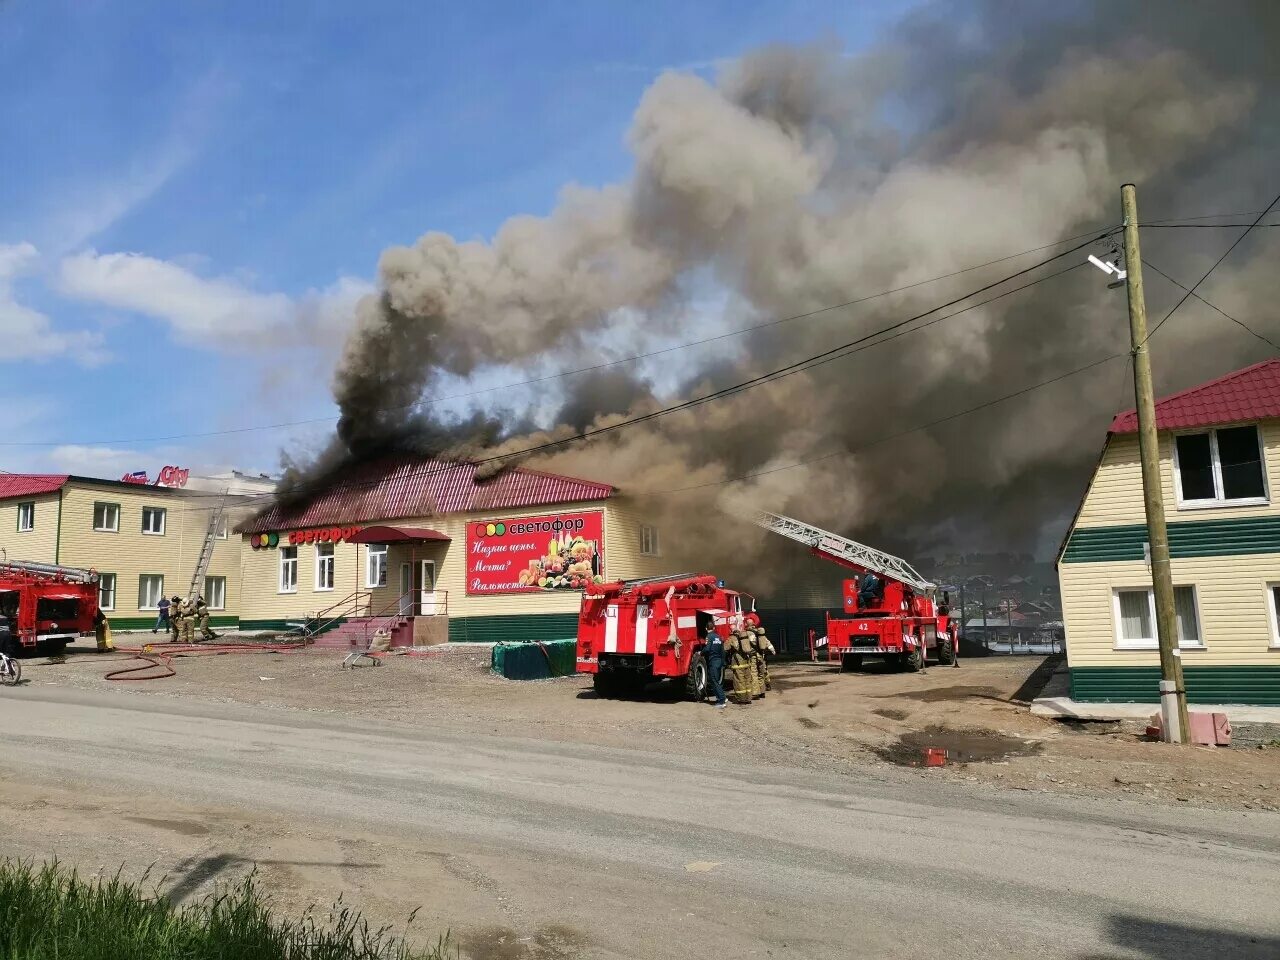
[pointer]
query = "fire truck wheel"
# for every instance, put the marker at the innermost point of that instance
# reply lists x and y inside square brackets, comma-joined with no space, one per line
[850,662]
[696,681]
[913,660]
[946,650]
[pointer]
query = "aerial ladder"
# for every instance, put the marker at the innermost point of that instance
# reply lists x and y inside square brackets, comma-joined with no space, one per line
[891,614]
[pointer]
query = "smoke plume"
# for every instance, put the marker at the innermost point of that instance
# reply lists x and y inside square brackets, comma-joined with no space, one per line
[800,178]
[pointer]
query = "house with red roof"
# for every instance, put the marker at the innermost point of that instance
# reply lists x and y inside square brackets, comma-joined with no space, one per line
[438,549]
[1220,473]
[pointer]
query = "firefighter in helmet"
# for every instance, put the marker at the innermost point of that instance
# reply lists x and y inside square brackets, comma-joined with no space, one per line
[764,650]
[202,618]
[175,617]
[102,631]
[741,667]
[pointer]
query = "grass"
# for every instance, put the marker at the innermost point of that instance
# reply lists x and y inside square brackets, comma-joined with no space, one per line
[51,913]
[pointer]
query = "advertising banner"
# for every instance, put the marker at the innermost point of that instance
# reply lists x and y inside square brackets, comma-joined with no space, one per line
[555,551]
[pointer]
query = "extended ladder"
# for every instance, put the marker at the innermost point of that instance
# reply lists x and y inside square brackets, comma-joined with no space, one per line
[206,548]
[844,551]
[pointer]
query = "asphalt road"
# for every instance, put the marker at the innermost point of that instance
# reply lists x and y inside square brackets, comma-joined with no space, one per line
[536,849]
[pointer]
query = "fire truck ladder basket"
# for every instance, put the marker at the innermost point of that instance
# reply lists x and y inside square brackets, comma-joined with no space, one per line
[206,548]
[826,543]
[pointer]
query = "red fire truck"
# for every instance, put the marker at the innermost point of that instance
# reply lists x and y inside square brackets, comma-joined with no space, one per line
[633,631]
[892,614]
[43,604]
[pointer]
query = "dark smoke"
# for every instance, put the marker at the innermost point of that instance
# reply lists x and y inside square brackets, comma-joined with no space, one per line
[802,178]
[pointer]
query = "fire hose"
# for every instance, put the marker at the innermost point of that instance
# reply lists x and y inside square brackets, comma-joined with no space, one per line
[159,656]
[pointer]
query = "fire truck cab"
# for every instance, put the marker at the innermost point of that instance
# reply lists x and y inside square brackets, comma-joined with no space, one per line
[631,632]
[44,604]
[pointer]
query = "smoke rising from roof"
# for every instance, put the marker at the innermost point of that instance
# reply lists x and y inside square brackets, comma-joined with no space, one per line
[801,178]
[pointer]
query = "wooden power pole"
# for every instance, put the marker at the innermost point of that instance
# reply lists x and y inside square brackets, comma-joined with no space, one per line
[1173,696]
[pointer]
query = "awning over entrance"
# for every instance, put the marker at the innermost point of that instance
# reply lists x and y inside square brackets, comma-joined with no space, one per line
[398,535]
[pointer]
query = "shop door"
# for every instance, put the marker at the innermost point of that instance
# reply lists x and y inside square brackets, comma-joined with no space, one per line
[427,586]
[406,590]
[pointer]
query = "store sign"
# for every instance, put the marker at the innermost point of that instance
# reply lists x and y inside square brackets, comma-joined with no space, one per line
[269,541]
[557,551]
[169,477]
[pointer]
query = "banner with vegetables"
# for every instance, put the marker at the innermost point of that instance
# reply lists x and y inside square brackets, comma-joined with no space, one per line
[556,551]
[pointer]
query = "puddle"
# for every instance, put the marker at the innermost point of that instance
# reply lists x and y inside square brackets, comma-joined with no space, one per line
[187,828]
[553,942]
[938,694]
[961,746]
[890,714]
[811,724]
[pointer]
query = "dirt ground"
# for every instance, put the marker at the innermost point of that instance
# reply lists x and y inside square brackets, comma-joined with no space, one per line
[814,717]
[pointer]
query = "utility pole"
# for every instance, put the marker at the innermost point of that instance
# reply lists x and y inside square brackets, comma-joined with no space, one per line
[986,636]
[1008,609]
[1173,695]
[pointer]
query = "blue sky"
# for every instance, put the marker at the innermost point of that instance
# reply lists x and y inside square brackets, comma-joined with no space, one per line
[179,177]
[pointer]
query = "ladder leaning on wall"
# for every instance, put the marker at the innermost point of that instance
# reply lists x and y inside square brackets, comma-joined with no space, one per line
[206,549]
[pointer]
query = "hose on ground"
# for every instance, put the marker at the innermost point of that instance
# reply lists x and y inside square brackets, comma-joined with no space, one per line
[159,656]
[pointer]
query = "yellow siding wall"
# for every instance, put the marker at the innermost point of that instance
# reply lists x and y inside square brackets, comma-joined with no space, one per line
[262,600]
[129,553]
[1115,495]
[39,544]
[1231,594]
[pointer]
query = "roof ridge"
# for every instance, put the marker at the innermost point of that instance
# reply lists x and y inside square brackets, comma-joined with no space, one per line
[1216,382]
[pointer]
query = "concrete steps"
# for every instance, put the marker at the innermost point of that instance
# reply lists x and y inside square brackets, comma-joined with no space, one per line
[357,632]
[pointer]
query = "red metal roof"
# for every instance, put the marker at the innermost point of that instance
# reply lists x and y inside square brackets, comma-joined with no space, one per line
[1249,394]
[387,534]
[404,487]
[31,484]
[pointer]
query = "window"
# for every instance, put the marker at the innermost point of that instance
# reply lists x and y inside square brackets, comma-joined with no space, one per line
[107,591]
[288,569]
[106,517]
[375,567]
[215,592]
[26,517]
[1219,467]
[222,531]
[1273,607]
[150,590]
[324,566]
[648,540]
[153,521]
[1135,612]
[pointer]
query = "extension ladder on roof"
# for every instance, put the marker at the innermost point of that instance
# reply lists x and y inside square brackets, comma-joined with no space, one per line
[206,548]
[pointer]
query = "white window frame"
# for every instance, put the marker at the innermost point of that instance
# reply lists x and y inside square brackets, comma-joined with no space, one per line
[649,543]
[115,581]
[1218,500]
[373,550]
[1153,642]
[332,564]
[223,526]
[1271,613]
[155,604]
[164,521]
[104,528]
[208,593]
[29,509]
[288,561]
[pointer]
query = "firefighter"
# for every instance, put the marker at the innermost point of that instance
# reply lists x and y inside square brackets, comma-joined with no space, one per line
[764,650]
[175,618]
[201,614]
[188,622]
[714,653]
[102,630]
[742,668]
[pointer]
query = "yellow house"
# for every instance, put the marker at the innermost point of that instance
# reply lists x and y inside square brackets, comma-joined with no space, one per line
[503,558]
[1220,473]
[144,541]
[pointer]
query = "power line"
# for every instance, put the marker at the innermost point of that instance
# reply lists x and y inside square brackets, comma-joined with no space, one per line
[1213,306]
[798,366]
[1186,296]
[427,401]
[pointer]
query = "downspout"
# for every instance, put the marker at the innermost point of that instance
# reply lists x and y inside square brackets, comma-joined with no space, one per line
[57,537]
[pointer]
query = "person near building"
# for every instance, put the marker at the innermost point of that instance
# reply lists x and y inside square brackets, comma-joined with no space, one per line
[741,667]
[713,650]
[102,631]
[188,624]
[162,616]
[764,650]
[175,617]
[202,618]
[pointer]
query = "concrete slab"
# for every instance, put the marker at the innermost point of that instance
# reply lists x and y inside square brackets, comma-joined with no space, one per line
[1060,706]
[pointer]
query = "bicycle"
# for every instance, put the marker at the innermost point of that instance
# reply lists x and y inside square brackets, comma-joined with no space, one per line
[10,670]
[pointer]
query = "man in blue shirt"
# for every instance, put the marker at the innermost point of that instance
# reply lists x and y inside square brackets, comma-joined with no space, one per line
[162,619]
[713,651]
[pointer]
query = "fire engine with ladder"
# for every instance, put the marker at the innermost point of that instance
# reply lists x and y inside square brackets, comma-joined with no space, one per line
[889,610]
[45,605]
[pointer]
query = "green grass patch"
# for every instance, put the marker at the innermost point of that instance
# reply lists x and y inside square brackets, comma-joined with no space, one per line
[51,913]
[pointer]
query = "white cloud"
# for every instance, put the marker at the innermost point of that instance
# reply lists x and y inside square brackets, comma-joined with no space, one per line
[108,462]
[26,333]
[219,311]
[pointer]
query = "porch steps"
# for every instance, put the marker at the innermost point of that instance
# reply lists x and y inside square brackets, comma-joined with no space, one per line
[356,632]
